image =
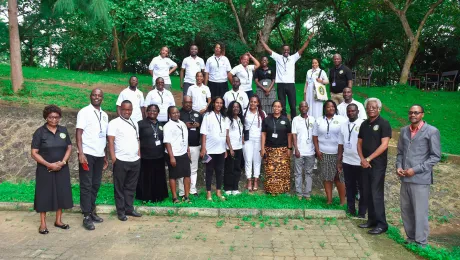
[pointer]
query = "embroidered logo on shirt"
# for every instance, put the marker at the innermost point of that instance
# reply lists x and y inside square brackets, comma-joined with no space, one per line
[357,129]
[311,125]
[341,72]
[197,63]
[105,118]
[204,92]
[269,71]
[336,122]
[62,135]
[196,115]
[376,127]
[161,128]
[241,98]
[283,122]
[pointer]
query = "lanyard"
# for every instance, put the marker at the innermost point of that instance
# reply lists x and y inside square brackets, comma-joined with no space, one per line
[285,63]
[217,61]
[161,96]
[131,124]
[335,69]
[219,119]
[349,131]
[99,119]
[155,130]
[238,122]
[327,121]
[236,96]
[247,71]
[182,131]
[307,123]
[274,124]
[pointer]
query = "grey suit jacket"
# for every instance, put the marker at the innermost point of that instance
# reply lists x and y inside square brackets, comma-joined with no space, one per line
[420,153]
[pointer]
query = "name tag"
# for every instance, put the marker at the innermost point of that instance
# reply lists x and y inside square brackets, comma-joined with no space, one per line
[328,136]
[333,84]
[157,142]
[193,129]
[308,141]
[348,145]
[275,135]
[101,135]
[222,134]
[264,83]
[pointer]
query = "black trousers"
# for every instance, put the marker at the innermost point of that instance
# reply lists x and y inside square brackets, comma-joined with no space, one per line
[250,93]
[289,90]
[373,183]
[218,89]
[353,182]
[232,173]
[90,181]
[216,165]
[125,176]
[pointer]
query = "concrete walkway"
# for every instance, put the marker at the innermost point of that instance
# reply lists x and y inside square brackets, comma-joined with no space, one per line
[190,237]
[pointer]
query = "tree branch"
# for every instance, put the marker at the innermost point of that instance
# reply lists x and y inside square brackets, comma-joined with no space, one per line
[402,17]
[430,11]
[240,29]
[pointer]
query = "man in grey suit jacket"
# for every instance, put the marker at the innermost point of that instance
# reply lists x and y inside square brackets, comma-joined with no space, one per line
[419,150]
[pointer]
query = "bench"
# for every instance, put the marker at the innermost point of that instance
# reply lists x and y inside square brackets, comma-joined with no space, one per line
[367,79]
[448,79]
[433,79]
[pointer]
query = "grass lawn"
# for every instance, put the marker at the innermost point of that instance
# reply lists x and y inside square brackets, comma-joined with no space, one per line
[24,192]
[46,86]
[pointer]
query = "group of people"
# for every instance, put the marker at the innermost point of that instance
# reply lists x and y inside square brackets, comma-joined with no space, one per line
[348,142]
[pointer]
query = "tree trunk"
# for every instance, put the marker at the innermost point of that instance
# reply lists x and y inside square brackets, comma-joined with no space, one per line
[117,49]
[50,47]
[408,62]
[31,52]
[240,29]
[17,79]
[269,22]
[297,26]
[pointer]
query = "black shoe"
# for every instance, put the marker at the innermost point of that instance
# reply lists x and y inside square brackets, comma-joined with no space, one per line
[377,231]
[43,232]
[134,214]
[123,217]
[195,194]
[88,223]
[361,216]
[63,226]
[96,218]
[366,225]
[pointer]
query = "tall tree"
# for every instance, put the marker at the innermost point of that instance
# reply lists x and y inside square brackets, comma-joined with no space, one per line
[17,79]
[414,38]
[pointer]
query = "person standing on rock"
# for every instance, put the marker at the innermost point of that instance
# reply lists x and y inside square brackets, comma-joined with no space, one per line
[373,138]
[51,148]
[135,96]
[91,127]
[124,149]
[419,149]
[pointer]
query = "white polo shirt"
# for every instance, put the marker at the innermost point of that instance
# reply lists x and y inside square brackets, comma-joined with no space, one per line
[200,95]
[245,75]
[163,99]
[235,133]
[342,109]
[328,143]
[160,67]
[217,67]
[126,134]
[349,138]
[240,96]
[285,67]
[136,98]
[303,128]
[192,66]
[94,124]
[176,134]
[253,123]
[215,128]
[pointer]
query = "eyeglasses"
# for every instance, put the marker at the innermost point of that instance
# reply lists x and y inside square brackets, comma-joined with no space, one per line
[415,113]
[53,117]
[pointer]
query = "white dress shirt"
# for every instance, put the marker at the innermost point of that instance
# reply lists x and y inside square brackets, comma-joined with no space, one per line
[349,138]
[245,75]
[285,67]
[200,95]
[126,142]
[217,67]
[176,134]
[240,96]
[137,99]
[192,66]
[163,99]
[94,124]
[215,128]
[303,129]
[160,67]
[328,140]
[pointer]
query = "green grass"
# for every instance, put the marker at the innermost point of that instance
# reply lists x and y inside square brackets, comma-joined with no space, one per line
[24,192]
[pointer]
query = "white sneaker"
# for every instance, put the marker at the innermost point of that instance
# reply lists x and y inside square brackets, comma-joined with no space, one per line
[228,192]
[236,192]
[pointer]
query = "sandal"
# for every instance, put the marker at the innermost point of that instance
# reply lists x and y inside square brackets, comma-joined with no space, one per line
[63,226]
[256,184]
[249,185]
[222,198]
[43,232]
[186,200]
[175,201]
[209,198]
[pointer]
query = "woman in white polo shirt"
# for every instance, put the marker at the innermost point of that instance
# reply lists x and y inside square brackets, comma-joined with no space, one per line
[214,131]
[200,93]
[245,72]
[326,131]
[232,173]
[178,153]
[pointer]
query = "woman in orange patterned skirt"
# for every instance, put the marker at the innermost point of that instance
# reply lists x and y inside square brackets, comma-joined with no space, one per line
[276,149]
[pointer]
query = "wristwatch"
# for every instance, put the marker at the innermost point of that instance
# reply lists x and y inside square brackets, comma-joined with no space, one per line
[290,148]
[368,159]
[64,162]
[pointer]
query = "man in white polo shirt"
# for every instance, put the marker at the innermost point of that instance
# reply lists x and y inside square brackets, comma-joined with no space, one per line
[162,66]
[285,72]
[348,160]
[161,97]
[304,160]
[123,138]
[190,66]
[236,94]
[348,99]
[216,69]
[133,94]
[91,127]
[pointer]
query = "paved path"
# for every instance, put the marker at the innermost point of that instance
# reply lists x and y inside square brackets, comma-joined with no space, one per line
[174,237]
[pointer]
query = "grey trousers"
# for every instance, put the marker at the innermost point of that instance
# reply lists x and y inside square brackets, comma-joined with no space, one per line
[414,211]
[303,188]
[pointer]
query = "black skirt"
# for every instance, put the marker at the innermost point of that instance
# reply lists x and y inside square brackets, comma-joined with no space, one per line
[52,189]
[152,185]
[182,168]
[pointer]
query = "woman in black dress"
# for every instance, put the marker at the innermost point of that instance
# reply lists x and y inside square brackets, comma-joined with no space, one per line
[51,149]
[152,179]
[265,81]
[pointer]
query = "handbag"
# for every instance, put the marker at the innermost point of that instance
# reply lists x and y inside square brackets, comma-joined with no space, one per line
[319,90]
[246,131]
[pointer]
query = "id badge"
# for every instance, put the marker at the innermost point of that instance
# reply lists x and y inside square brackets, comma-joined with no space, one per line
[275,135]
[222,135]
[309,141]
[328,136]
[157,142]
[193,129]
[265,83]
[333,84]
[348,145]
[101,135]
